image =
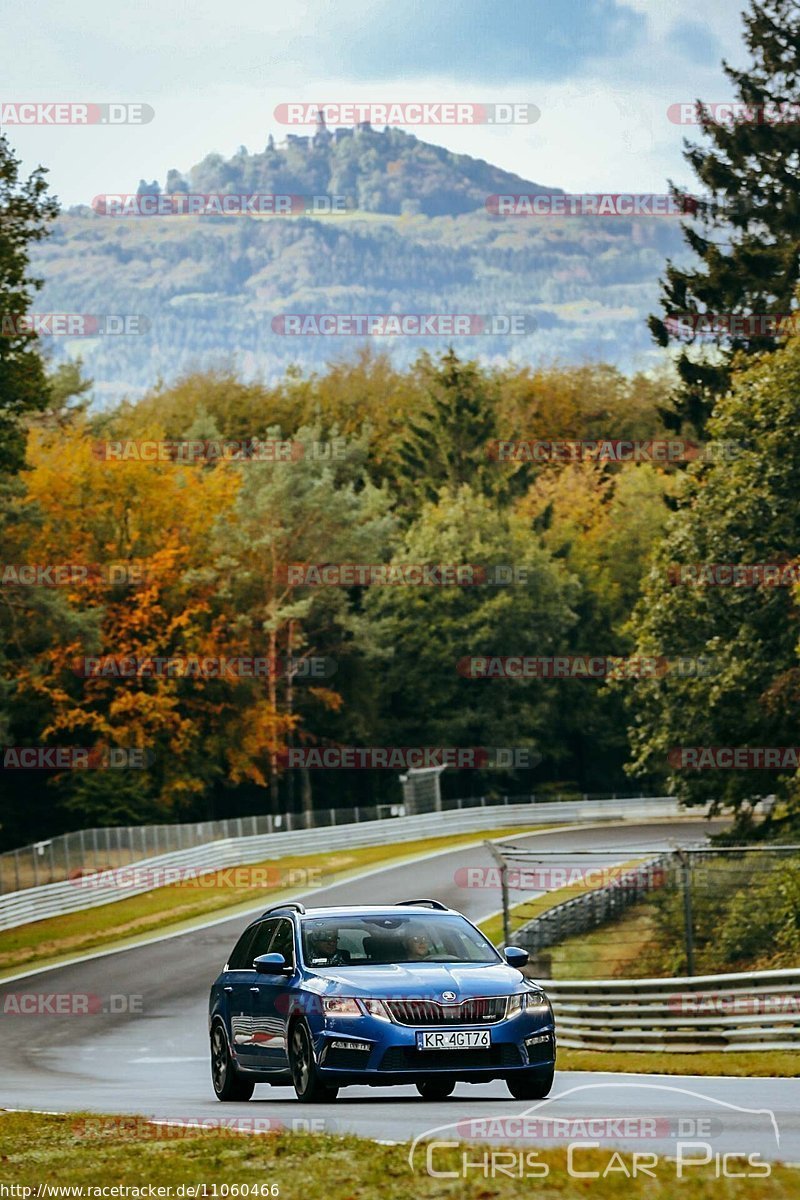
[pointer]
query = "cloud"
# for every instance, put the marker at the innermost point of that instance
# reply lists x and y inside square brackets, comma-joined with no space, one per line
[695,43]
[602,72]
[477,42]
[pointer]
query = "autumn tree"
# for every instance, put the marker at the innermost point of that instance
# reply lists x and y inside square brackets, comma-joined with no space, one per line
[309,510]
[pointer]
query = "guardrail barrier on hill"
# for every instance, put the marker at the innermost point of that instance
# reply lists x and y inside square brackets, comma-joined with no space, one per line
[54,899]
[59,857]
[592,908]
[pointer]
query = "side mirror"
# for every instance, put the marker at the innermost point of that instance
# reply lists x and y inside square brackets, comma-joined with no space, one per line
[515,956]
[270,964]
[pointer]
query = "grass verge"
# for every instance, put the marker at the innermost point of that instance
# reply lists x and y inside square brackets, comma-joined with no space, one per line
[37,1149]
[612,951]
[762,1064]
[44,942]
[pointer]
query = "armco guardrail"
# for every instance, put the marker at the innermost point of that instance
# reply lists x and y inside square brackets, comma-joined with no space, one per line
[593,908]
[755,1010]
[54,859]
[55,899]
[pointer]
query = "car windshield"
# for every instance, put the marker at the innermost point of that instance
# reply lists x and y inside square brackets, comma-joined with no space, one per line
[373,940]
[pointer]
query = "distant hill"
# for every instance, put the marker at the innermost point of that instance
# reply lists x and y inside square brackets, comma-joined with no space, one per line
[379,172]
[420,241]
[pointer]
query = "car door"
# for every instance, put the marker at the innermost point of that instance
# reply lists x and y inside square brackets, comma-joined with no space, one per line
[271,1007]
[242,985]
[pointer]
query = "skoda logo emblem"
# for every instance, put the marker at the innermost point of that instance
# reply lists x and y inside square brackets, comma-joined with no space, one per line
[448,995]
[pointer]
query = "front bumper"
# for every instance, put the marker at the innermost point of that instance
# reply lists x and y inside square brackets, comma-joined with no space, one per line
[373,1051]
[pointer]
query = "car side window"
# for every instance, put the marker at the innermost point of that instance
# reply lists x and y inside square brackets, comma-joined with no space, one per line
[283,941]
[264,932]
[239,959]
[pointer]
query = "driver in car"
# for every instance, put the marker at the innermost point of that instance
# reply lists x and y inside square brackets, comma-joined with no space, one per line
[418,946]
[324,945]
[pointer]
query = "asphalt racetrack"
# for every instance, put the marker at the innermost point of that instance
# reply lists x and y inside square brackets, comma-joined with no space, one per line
[154,1061]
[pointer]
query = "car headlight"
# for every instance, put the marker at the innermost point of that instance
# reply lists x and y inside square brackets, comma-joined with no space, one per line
[376,1008]
[531,1001]
[537,1002]
[516,1004]
[340,1006]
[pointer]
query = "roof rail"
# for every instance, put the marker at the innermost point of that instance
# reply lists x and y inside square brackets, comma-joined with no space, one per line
[432,903]
[291,904]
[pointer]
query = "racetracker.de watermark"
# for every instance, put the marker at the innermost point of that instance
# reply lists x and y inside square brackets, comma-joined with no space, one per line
[691,326]
[212,450]
[140,878]
[68,1004]
[723,1004]
[404,758]
[205,666]
[218,204]
[612,450]
[14,325]
[71,574]
[734,758]
[406,112]
[734,112]
[541,877]
[591,204]
[162,1129]
[401,574]
[76,758]
[533,1127]
[741,575]
[584,666]
[402,325]
[65,112]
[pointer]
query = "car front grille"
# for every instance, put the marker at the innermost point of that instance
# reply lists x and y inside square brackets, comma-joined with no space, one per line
[406,1058]
[481,1010]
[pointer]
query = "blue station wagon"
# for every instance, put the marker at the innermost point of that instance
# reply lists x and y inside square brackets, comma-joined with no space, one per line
[410,993]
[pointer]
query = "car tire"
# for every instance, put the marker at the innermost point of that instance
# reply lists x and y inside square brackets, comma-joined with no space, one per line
[229,1084]
[308,1086]
[531,1085]
[435,1089]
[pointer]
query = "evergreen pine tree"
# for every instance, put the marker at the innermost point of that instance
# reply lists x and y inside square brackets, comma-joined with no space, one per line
[447,443]
[747,229]
[25,210]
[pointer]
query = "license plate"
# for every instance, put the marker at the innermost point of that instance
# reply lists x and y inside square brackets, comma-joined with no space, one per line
[453,1039]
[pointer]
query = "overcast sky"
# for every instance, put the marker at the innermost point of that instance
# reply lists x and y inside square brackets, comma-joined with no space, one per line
[602,72]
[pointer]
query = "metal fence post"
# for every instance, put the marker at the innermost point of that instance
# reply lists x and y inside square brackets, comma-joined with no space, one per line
[684,857]
[501,862]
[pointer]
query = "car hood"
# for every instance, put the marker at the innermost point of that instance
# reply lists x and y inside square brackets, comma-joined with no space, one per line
[422,980]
